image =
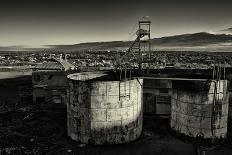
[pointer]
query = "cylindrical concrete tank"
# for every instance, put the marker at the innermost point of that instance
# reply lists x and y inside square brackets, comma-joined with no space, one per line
[199,110]
[102,109]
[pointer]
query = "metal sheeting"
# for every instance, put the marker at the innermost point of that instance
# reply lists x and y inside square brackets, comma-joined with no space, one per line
[55,64]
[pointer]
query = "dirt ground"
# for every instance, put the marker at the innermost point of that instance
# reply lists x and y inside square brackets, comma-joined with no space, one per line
[44,131]
[41,129]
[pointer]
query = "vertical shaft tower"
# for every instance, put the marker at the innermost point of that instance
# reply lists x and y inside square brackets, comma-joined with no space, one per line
[139,51]
[144,42]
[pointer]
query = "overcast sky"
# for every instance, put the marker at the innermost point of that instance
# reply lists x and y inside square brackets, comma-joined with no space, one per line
[44,22]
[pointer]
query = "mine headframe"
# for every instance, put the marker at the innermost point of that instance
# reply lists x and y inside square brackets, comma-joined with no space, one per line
[138,54]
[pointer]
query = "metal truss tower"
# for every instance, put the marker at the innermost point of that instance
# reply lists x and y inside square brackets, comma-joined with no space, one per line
[144,42]
[139,52]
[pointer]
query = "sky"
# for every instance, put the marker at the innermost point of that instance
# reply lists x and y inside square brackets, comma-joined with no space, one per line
[49,22]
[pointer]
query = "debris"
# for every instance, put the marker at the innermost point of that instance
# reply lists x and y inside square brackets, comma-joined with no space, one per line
[27,116]
[148,133]
[25,109]
[81,145]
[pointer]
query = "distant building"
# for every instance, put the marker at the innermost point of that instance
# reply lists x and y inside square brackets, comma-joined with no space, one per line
[50,82]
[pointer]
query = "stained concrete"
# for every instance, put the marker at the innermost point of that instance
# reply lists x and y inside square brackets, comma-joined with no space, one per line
[101,111]
[230,104]
[194,113]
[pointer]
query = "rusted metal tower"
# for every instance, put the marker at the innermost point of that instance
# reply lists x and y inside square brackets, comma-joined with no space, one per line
[138,54]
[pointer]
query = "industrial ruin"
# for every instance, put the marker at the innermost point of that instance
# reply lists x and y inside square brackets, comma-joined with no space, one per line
[49,81]
[107,106]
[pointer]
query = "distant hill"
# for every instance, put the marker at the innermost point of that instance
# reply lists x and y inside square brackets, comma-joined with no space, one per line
[227,31]
[114,45]
[197,41]
[11,48]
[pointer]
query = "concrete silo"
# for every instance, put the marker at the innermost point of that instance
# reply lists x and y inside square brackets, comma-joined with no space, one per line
[200,108]
[102,109]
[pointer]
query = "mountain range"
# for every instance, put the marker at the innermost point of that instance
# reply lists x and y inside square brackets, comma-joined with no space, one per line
[202,41]
[226,31]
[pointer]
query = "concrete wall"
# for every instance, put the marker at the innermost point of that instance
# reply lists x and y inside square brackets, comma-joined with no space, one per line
[38,93]
[50,85]
[49,95]
[50,78]
[192,112]
[230,96]
[102,112]
[230,105]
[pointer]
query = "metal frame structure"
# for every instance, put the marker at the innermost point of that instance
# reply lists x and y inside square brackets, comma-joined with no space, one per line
[135,53]
[144,34]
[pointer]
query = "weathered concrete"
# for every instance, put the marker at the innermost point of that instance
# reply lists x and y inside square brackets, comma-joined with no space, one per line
[196,113]
[100,111]
[49,85]
[230,105]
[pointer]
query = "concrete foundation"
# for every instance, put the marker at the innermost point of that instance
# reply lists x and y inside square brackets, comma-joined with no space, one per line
[101,111]
[199,110]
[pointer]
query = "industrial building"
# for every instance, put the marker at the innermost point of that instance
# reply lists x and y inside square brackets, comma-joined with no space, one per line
[157,96]
[49,81]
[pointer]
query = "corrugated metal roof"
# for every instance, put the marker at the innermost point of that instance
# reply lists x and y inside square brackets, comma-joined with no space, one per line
[57,65]
[66,64]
